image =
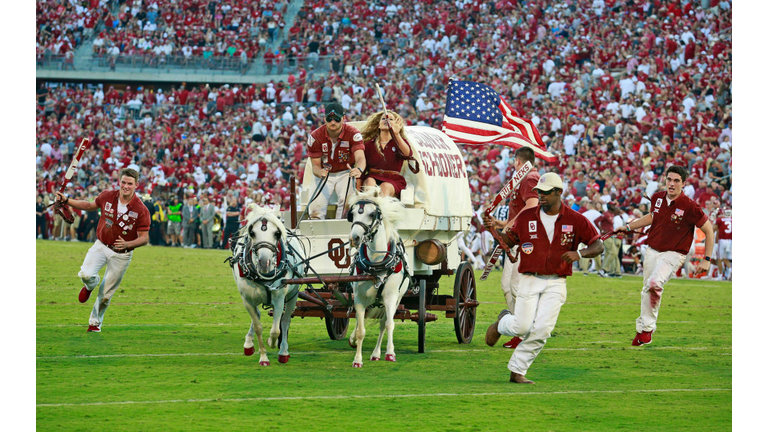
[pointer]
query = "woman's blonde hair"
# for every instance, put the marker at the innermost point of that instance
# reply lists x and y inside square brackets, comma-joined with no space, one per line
[371,129]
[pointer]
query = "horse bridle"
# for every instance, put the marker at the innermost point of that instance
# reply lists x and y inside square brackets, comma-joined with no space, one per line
[368,230]
[281,266]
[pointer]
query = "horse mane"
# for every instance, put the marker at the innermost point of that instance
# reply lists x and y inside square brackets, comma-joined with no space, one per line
[256,213]
[392,210]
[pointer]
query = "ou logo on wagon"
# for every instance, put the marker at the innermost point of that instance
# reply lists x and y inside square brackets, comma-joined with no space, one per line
[340,256]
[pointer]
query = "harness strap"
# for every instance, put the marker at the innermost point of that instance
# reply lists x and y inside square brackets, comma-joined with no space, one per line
[395,263]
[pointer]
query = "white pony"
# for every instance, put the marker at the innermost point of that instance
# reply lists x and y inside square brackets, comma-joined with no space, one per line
[380,253]
[261,258]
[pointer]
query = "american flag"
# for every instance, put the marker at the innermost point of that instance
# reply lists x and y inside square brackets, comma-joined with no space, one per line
[476,114]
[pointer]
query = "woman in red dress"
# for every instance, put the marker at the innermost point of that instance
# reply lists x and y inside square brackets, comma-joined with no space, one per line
[385,154]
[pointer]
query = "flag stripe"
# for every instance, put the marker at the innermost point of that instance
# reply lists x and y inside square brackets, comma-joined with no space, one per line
[471,127]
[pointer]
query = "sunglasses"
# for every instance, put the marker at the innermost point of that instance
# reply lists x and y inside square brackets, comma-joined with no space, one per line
[541,192]
[333,116]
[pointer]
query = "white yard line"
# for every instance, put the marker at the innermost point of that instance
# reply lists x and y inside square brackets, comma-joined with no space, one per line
[246,323]
[394,396]
[346,352]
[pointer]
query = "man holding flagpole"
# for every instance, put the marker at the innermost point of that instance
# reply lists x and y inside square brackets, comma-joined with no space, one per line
[523,197]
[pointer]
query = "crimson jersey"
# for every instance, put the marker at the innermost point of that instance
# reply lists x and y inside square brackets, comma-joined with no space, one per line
[111,225]
[522,193]
[724,228]
[674,223]
[537,253]
[319,145]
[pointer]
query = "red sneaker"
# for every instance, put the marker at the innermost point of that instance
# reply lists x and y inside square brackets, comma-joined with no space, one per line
[513,343]
[643,338]
[95,329]
[84,295]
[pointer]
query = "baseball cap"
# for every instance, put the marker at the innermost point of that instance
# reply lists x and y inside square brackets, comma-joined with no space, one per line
[548,182]
[336,108]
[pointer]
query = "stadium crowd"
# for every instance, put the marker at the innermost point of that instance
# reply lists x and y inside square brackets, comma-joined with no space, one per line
[619,90]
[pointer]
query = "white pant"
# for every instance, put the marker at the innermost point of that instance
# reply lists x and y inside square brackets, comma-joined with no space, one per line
[337,182]
[537,307]
[724,248]
[510,281]
[98,256]
[658,268]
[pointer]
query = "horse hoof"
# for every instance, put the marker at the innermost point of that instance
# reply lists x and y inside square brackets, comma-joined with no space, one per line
[249,351]
[283,358]
[375,358]
[390,357]
[357,365]
[352,344]
[264,363]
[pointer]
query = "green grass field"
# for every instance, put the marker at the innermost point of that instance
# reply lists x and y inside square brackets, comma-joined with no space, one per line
[170,357]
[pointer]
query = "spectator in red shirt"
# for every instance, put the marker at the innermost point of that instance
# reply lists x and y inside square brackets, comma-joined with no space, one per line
[673,221]
[548,236]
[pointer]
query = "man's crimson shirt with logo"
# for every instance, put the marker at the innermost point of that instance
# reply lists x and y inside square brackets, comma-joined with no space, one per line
[537,253]
[127,225]
[674,223]
[319,145]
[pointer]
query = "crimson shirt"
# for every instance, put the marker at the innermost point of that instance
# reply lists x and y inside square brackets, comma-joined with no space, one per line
[319,145]
[674,224]
[522,193]
[135,219]
[537,254]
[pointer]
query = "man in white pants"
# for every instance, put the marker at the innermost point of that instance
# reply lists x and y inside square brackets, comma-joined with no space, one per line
[523,197]
[673,221]
[724,229]
[548,237]
[123,226]
[466,244]
[331,148]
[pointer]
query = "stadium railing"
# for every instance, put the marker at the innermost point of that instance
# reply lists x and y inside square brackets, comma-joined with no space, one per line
[173,64]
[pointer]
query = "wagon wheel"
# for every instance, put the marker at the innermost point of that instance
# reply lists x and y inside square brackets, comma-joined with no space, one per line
[463,290]
[422,313]
[337,327]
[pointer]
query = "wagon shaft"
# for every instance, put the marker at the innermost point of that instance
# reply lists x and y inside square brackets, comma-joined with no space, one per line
[329,280]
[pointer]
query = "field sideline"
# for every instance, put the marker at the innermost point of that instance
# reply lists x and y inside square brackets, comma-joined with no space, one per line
[170,357]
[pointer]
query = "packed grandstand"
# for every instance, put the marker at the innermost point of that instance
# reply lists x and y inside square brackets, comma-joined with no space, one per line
[619,90]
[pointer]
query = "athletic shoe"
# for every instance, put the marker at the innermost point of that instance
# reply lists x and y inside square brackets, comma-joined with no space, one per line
[643,338]
[614,275]
[513,343]
[95,329]
[602,273]
[492,335]
[519,379]
[84,295]
[585,274]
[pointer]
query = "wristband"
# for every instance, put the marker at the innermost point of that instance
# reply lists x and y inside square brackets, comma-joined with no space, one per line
[579,252]
[706,258]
